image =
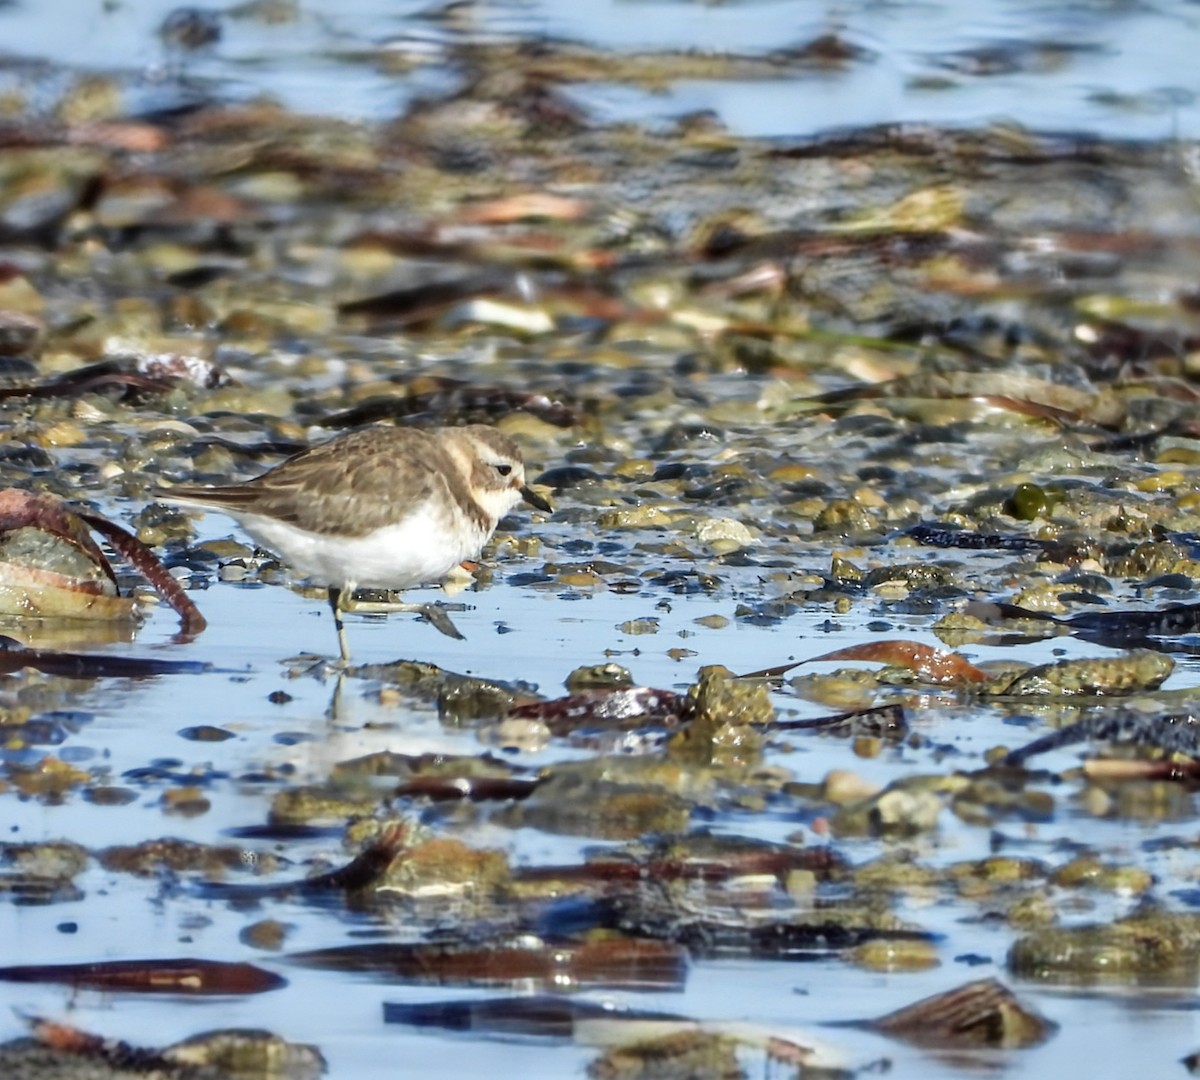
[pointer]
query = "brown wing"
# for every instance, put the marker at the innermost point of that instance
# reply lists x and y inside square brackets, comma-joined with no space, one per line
[352,484]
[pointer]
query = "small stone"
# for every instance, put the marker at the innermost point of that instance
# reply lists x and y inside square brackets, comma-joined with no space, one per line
[268,934]
[206,733]
[885,955]
[642,517]
[635,469]
[527,736]
[1096,802]
[110,796]
[580,579]
[64,433]
[801,884]
[726,533]
[907,811]
[636,627]
[19,333]
[608,676]
[843,787]
[186,802]
[792,473]
[844,570]
[843,516]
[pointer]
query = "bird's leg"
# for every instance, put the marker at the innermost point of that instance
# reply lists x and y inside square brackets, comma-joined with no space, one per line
[334,711]
[335,605]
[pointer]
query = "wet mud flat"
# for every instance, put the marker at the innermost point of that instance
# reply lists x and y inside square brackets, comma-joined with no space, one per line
[877,455]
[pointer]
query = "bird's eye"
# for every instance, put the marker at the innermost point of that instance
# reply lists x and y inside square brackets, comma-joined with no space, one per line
[503,470]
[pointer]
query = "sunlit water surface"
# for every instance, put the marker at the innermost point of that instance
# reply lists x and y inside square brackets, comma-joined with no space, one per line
[545,636]
[1121,69]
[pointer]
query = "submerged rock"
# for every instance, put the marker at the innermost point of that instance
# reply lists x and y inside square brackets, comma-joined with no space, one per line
[726,713]
[57,1052]
[1158,947]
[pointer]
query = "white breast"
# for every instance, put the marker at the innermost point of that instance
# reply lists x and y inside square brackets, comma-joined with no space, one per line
[422,547]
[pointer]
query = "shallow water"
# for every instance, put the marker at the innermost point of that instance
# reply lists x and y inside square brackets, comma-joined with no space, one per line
[250,629]
[1118,69]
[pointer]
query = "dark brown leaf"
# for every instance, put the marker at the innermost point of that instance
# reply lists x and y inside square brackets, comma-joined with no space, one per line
[198,977]
[366,868]
[1137,769]
[982,1013]
[620,708]
[92,379]
[85,666]
[475,788]
[612,964]
[936,665]
[532,1016]
[146,562]
[883,721]
[703,858]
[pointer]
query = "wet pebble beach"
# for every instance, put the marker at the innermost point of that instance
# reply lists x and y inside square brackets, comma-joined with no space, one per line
[841,715]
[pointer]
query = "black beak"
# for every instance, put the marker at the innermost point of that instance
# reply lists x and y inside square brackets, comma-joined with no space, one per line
[535,500]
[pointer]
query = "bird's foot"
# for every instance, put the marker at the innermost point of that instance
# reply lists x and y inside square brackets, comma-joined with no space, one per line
[434,613]
[439,617]
[311,666]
